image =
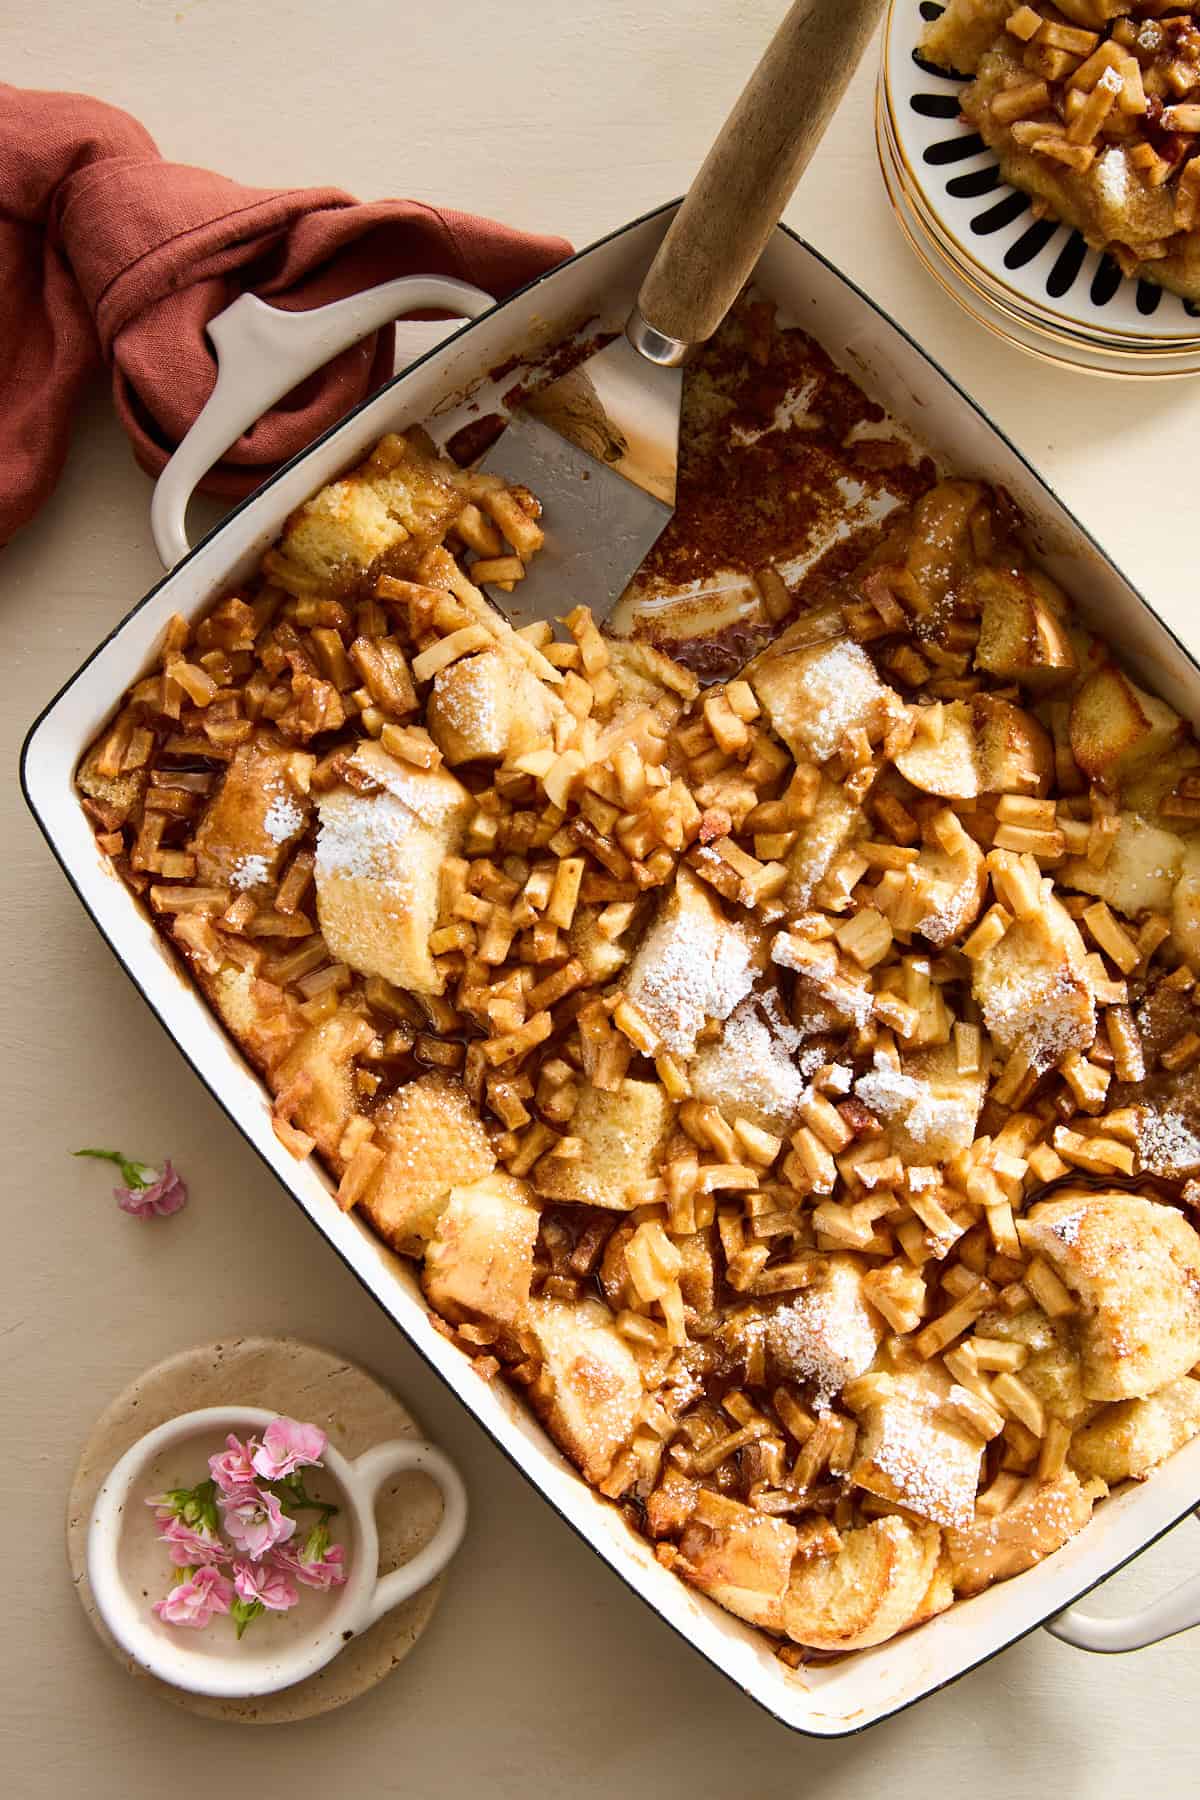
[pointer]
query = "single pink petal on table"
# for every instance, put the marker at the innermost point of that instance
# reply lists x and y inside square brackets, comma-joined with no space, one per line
[288,1445]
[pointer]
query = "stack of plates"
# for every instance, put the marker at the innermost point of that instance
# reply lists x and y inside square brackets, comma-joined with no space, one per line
[1033,281]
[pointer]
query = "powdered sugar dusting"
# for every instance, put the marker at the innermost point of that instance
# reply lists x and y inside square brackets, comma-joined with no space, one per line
[691,968]
[749,1071]
[929,1467]
[899,1098]
[825,1336]
[840,687]
[364,836]
[249,872]
[466,697]
[1167,1144]
[283,819]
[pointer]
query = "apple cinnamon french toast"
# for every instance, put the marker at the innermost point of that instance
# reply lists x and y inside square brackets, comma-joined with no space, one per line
[792,1083]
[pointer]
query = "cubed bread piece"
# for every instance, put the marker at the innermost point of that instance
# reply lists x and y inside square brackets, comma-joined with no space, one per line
[749,1073]
[252,818]
[1015,754]
[379,859]
[827,1333]
[693,965]
[942,755]
[814,696]
[1134,1267]
[336,536]
[118,794]
[940,550]
[949,886]
[1143,864]
[836,822]
[913,1452]
[1022,634]
[1185,906]
[929,1107]
[601,956]
[740,1557]
[1052,1368]
[432,1141]
[1033,989]
[589,1391]
[323,1059]
[868,1591]
[488,707]
[1115,725]
[958,36]
[1131,1438]
[622,1133]
[262,1017]
[1040,1519]
[479,1261]
[937,1596]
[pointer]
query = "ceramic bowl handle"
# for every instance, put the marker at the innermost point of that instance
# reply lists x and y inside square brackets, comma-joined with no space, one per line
[263,353]
[1175,1612]
[372,1470]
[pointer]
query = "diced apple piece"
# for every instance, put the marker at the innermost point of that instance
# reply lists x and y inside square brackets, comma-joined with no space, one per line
[621,1134]
[590,1389]
[1022,636]
[432,1141]
[742,1558]
[479,1261]
[1134,1436]
[1115,725]
[1143,864]
[1041,1519]
[1133,1265]
[865,1593]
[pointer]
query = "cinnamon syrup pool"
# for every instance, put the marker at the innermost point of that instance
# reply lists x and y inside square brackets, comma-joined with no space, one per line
[147,1572]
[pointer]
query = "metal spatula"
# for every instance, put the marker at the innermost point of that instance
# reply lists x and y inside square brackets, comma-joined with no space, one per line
[600,446]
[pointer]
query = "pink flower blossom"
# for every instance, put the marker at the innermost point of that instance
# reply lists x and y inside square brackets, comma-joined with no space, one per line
[232,1468]
[267,1582]
[324,1571]
[166,1194]
[288,1445]
[188,1547]
[194,1601]
[255,1521]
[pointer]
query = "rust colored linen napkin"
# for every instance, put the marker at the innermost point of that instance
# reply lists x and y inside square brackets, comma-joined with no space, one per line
[110,254]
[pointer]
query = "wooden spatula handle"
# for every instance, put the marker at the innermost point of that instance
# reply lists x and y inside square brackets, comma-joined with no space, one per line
[747,178]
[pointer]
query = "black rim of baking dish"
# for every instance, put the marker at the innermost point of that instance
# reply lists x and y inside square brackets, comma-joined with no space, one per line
[50,706]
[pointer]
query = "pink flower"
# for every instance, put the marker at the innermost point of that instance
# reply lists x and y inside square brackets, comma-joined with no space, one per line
[288,1445]
[166,1194]
[147,1192]
[319,1564]
[268,1583]
[188,1547]
[193,1602]
[255,1521]
[232,1468]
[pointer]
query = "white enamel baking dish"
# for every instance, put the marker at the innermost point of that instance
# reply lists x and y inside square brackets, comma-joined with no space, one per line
[263,354]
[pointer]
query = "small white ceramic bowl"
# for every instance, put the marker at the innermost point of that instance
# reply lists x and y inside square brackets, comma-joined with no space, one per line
[128,1568]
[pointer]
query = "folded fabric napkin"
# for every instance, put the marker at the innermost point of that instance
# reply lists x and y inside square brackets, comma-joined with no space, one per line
[109,252]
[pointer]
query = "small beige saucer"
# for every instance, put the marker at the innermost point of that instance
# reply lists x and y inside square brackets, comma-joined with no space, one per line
[303,1382]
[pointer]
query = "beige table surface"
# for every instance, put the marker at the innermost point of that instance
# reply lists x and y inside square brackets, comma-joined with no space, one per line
[541,1675]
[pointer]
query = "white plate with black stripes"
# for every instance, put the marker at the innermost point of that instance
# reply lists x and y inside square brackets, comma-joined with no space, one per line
[1043,269]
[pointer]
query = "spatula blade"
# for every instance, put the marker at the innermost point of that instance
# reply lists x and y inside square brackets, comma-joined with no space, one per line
[599,526]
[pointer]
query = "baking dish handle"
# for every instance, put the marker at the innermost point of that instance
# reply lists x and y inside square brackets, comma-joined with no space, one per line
[1175,1612]
[263,353]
